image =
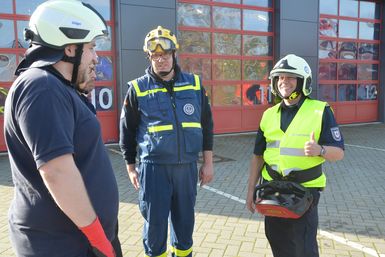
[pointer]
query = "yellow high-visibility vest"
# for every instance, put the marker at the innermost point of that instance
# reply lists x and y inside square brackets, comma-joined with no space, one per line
[285,150]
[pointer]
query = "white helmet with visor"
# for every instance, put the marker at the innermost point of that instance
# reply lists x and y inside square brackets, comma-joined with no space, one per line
[57,23]
[296,66]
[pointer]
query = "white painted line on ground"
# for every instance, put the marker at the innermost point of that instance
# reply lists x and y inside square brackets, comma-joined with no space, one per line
[354,245]
[114,151]
[331,236]
[367,147]
[237,199]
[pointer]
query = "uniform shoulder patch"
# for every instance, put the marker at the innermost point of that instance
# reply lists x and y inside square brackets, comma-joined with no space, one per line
[336,134]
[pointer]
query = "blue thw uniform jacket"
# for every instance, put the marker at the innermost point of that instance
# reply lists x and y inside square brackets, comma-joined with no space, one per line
[170,121]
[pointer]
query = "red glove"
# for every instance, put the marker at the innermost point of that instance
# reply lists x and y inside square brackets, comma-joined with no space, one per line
[101,246]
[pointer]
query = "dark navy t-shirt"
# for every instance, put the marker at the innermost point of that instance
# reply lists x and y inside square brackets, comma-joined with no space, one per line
[44,119]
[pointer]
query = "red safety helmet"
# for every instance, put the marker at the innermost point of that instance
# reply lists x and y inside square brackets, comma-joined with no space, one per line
[284,199]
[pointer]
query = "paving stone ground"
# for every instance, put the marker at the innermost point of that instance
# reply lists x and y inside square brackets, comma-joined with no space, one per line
[351,209]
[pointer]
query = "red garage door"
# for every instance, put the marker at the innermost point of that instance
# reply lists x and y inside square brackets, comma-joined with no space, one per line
[349,58]
[230,44]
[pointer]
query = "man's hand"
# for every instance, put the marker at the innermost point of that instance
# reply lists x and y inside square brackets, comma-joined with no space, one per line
[256,164]
[133,175]
[206,173]
[249,200]
[312,148]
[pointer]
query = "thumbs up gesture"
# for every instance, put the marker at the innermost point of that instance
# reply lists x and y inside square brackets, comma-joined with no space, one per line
[312,148]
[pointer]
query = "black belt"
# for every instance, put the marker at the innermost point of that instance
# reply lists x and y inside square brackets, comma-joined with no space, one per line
[299,176]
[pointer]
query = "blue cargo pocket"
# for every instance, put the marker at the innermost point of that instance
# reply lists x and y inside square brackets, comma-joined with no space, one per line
[193,139]
[164,103]
[152,105]
[161,143]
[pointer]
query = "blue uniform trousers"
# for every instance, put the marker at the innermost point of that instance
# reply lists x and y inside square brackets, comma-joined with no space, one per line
[168,191]
[295,237]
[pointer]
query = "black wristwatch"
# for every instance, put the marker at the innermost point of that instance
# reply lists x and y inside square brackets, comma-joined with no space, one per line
[323,151]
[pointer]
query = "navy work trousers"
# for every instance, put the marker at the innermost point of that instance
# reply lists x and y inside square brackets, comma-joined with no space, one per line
[167,191]
[295,237]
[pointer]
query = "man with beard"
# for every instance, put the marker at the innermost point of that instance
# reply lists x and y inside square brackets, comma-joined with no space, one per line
[66,195]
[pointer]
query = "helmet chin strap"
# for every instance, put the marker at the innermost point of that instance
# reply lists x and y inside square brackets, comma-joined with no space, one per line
[75,60]
[165,73]
[293,95]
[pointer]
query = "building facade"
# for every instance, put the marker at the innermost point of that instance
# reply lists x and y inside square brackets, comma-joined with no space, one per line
[233,45]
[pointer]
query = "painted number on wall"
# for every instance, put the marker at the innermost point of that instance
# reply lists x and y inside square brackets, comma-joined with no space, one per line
[102,98]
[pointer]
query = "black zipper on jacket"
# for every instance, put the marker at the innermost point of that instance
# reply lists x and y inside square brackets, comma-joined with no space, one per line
[177,124]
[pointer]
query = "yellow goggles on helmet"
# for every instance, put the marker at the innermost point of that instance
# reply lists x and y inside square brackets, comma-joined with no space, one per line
[165,43]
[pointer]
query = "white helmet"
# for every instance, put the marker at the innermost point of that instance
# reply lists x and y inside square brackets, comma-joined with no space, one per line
[297,66]
[57,23]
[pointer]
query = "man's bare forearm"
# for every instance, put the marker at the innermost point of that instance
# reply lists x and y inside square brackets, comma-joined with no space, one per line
[65,184]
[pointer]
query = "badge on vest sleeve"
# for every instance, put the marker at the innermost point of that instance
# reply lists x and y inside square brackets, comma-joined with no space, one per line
[188,109]
[336,134]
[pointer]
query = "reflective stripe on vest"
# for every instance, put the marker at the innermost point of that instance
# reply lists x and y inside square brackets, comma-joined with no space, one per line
[191,125]
[273,144]
[175,88]
[291,151]
[190,87]
[170,129]
[151,91]
[285,151]
[153,129]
